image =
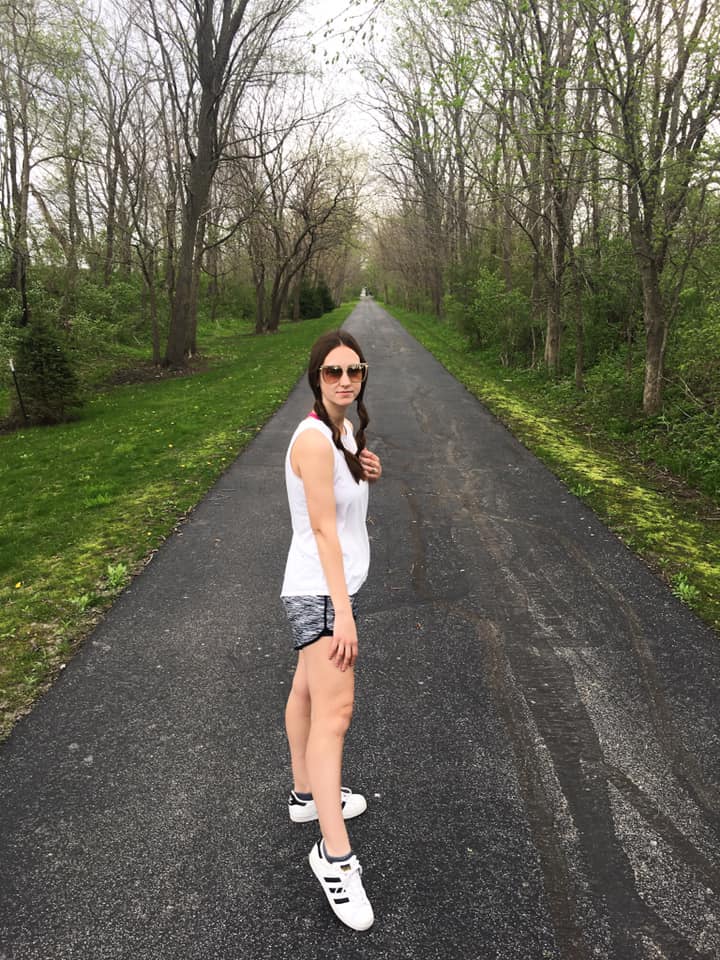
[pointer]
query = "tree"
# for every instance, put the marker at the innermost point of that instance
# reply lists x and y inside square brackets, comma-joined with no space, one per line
[21,67]
[301,197]
[547,99]
[658,67]
[211,52]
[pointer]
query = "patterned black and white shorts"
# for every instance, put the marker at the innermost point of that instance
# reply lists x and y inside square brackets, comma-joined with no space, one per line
[311,617]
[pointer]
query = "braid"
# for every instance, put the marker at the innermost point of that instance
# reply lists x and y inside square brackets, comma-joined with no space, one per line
[352,459]
[364,421]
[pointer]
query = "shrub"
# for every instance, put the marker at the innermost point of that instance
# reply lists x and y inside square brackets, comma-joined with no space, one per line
[48,383]
[496,316]
[315,301]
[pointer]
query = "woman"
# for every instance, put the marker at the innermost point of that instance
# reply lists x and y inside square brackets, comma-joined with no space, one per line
[327,471]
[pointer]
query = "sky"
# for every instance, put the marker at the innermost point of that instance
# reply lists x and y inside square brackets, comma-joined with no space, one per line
[337,28]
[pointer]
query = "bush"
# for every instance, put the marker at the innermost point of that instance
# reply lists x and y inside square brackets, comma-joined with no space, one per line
[315,301]
[495,317]
[612,300]
[693,355]
[48,383]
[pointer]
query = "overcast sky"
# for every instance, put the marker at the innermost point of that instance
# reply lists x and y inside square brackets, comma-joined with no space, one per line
[346,22]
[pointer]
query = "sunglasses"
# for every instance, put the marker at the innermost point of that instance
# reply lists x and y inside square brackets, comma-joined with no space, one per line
[331,373]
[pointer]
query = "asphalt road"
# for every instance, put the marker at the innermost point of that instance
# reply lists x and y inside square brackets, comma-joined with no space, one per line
[536,726]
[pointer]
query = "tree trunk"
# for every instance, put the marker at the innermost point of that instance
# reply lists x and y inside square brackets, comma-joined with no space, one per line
[260,308]
[579,334]
[655,340]
[20,188]
[296,296]
[191,338]
[278,298]
[152,292]
[109,264]
[259,281]
[184,303]
[296,303]
[552,333]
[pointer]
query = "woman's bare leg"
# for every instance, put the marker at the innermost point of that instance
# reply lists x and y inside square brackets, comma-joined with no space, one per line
[331,703]
[297,727]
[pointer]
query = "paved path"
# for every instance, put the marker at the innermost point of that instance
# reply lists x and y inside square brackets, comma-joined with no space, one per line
[536,727]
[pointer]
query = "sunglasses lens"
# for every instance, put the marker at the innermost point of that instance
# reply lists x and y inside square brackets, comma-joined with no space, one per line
[355,373]
[332,374]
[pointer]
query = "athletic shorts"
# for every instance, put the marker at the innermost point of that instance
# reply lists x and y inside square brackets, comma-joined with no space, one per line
[311,618]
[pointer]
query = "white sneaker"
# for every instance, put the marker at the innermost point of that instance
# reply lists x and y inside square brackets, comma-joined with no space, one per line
[342,883]
[303,811]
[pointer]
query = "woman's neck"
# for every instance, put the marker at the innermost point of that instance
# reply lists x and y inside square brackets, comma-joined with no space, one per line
[336,415]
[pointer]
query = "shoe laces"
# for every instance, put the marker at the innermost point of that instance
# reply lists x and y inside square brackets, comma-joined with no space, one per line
[352,881]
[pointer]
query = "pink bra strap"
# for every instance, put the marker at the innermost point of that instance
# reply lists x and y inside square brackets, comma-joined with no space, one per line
[313,414]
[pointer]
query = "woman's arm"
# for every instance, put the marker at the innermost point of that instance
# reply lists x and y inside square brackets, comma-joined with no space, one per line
[313,460]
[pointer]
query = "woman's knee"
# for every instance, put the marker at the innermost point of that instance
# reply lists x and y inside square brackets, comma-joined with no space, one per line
[334,718]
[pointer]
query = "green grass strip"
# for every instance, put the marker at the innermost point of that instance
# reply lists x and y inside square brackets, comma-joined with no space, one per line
[672,535]
[85,503]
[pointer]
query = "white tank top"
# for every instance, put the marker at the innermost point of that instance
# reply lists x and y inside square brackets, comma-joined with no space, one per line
[303,571]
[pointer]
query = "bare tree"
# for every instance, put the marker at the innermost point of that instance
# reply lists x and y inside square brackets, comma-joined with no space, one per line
[22,64]
[310,206]
[211,52]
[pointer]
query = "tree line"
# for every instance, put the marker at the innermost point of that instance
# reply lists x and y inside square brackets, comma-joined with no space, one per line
[551,171]
[173,144]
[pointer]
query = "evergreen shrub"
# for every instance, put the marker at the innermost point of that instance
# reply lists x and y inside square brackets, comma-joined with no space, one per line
[46,377]
[315,300]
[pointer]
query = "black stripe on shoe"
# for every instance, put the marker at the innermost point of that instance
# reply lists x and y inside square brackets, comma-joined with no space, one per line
[294,802]
[342,900]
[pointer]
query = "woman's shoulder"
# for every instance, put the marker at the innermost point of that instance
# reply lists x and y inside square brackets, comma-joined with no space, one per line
[314,425]
[311,434]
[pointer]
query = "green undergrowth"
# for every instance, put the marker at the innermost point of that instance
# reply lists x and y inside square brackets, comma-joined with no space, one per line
[675,529]
[86,503]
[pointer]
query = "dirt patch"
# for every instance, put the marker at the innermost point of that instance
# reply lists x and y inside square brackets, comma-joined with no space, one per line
[145,370]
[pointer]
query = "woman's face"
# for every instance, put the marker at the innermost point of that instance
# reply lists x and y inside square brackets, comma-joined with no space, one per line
[344,392]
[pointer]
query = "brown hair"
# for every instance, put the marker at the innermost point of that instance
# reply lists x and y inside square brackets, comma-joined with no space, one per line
[321,348]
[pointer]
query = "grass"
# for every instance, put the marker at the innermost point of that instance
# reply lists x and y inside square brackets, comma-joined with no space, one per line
[86,503]
[675,530]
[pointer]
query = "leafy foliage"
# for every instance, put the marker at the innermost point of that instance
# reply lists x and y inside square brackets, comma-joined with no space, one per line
[495,315]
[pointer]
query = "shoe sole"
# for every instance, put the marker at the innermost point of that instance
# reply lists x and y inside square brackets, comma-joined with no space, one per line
[318,876]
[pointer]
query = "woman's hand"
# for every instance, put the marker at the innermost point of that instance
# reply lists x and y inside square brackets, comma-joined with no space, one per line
[344,642]
[370,463]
